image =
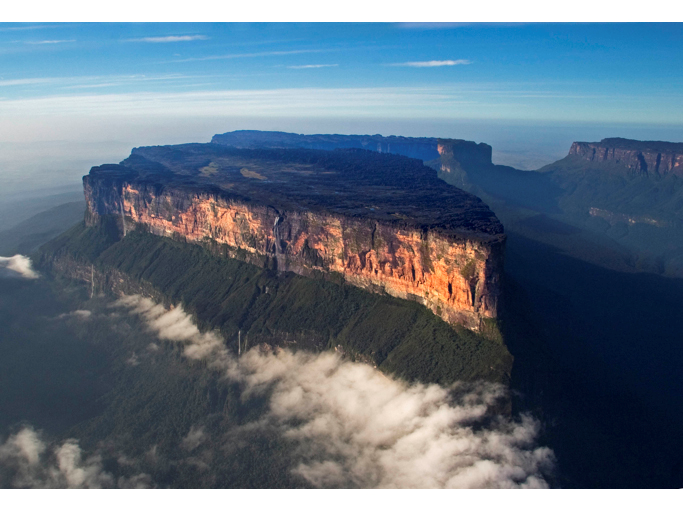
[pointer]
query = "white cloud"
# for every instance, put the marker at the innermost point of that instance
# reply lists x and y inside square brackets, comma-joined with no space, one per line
[435,25]
[79,314]
[169,39]
[28,462]
[356,427]
[195,437]
[25,444]
[245,55]
[52,41]
[28,27]
[133,360]
[17,266]
[176,325]
[433,63]
[27,81]
[77,82]
[311,66]
[362,102]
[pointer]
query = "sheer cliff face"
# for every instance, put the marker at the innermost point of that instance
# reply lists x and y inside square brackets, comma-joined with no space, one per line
[466,153]
[639,157]
[454,273]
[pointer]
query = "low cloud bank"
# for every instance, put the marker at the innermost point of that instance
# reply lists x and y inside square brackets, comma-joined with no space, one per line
[27,461]
[79,314]
[176,325]
[17,266]
[355,427]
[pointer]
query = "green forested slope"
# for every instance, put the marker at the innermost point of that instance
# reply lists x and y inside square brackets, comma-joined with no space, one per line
[399,337]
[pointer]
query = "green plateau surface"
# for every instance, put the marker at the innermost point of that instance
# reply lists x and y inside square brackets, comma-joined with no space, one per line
[400,337]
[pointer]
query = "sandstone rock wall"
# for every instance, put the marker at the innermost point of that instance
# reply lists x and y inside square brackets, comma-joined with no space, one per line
[455,276]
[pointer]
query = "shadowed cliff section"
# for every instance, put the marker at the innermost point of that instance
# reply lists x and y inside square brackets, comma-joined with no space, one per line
[595,339]
[422,148]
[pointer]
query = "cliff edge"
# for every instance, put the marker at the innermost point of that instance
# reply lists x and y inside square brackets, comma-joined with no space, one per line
[641,157]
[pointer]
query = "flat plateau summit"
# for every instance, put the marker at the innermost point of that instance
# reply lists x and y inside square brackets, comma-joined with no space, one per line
[385,222]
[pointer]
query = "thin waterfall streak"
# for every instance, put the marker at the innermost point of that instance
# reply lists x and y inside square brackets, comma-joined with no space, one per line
[123,220]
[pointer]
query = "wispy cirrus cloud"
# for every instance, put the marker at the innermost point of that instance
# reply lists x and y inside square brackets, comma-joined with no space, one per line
[435,25]
[465,100]
[51,41]
[27,27]
[447,25]
[246,55]
[85,82]
[432,63]
[168,39]
[313,101]
[26,81]
[313,66]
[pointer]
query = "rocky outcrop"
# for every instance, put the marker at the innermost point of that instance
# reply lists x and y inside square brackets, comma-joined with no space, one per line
[640,157]
[465,153]
[450,261]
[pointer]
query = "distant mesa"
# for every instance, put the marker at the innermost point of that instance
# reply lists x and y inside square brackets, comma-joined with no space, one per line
[463,154]
[644,157]
[466,153]
[422,148]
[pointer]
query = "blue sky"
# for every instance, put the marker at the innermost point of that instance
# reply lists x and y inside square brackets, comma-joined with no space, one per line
[76,95]
[574,72]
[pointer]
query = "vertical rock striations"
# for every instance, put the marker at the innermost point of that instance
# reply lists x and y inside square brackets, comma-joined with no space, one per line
[640,157]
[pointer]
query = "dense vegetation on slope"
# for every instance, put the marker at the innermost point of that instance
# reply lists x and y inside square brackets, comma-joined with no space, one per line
[398,336]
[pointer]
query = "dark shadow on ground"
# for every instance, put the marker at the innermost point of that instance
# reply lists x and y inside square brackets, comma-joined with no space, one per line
[597,356]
